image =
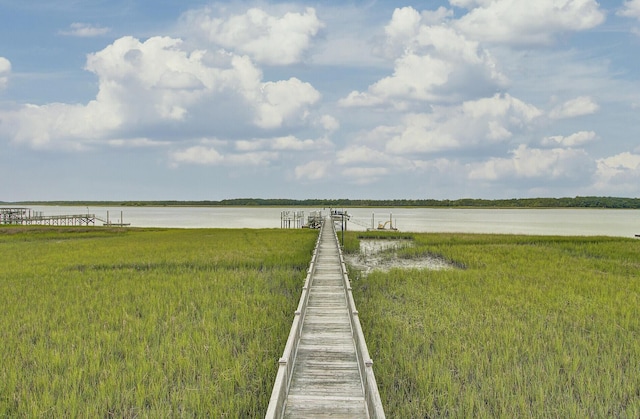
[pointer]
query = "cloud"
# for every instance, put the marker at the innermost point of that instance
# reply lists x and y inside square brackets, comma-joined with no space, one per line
[543,165]
[137,143]
[619,173]
[157,73]
[364,175]
[621,162]
[255,152]
[518,22]
[313,170]
[363,164]
[267,39]
[630,8]
[5,71]
[435,63]
[159,85]
[356,99]
[210,156]
[347,37]
[137,83]
[281,100]
[403,29]
[356,154]
[328,123]
[579,106]
[573,140]
[197,155]
[472,124]
[85,30]
[71,127]
[436,17]
[286,143]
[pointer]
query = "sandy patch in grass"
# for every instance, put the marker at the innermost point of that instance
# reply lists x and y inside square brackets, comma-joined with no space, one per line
[382,255]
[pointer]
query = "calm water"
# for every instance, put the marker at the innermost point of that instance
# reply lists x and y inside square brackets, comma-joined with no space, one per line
[581,222]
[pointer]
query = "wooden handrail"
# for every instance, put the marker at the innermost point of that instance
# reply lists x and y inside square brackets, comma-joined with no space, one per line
[365,363]
[287,361]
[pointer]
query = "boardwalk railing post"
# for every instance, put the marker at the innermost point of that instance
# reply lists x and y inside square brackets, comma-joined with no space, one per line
[277,402]
[365,363]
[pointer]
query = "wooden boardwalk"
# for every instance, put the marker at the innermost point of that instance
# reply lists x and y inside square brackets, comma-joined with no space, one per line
[326,363]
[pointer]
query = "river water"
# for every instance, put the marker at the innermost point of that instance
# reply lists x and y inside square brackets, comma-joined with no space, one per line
[571,222]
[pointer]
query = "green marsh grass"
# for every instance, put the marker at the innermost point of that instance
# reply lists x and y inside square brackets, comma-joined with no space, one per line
[145,323]
[526,326]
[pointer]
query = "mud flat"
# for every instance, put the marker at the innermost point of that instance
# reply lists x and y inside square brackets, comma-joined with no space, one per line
[382,255]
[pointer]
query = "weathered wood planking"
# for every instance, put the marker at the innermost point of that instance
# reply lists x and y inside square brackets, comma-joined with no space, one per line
[326,381]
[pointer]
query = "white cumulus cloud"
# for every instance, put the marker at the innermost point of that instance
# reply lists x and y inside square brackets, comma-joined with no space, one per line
[208,155]
[630,8]
[357,154]
[365,164]
[621,162]
[67,126]
[532,163]
[197,154]
[313,170]
[573,140]
[156,72]
[619,173]
[286,143]
[137,143]
[328,123]
[433,63]
[580,106]
[472,124]
[281,100]
[5,71]
[268,39]
[85,30]
[160,82]
[522,22]
[364,175]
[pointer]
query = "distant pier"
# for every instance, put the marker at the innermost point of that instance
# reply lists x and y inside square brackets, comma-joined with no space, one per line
[25,216]
[295,219]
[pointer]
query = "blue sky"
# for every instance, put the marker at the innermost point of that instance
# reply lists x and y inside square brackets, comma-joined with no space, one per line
[196,100]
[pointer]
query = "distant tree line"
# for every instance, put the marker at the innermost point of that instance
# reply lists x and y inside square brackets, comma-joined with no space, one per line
[577,202]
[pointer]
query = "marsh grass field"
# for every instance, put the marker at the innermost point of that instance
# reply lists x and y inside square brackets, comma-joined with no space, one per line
[100,322]
[521,326]
[145,323]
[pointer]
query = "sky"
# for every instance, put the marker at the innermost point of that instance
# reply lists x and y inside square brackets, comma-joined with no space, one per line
[432,99]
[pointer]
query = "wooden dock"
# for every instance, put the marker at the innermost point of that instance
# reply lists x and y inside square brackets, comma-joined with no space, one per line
[24,216]
[325,370]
